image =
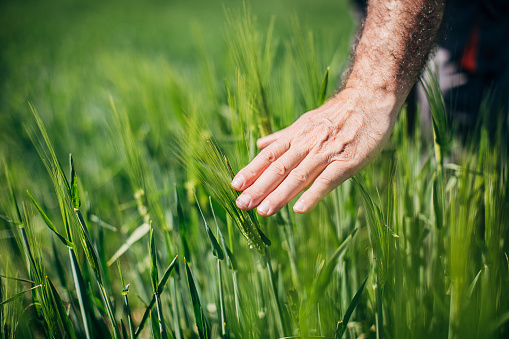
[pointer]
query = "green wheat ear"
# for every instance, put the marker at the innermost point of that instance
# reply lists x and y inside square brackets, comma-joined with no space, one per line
[213,169]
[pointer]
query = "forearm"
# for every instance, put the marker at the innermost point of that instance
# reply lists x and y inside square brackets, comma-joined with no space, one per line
[328,145]
[393,47]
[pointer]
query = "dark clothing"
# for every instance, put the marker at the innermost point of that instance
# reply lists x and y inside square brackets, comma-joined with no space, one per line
[475,33]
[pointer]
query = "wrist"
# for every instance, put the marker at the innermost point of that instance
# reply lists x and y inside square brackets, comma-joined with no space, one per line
[369,98]
[381,80]
[374,107]
[385,90]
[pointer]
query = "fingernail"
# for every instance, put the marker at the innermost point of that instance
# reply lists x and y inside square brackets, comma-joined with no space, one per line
[264,208]
[299,207]
[238,182]
[244,200]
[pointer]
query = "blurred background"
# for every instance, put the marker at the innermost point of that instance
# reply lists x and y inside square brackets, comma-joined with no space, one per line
[159,63]
[129,86]
[68,57]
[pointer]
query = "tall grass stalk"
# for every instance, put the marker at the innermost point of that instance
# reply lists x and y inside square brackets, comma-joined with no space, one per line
[220,279]
[125,293]
[254,57]
[275,296]
[426,221]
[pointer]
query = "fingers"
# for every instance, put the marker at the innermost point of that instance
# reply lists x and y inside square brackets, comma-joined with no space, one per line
[270,179]
[267,140]
[330,178]
[295,182]
[255,168]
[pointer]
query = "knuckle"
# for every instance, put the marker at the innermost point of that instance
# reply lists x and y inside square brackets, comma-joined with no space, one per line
[278,168]
[329,158]
[248,173]
[322,156]
[325,180]
[269,155]
[256,192]
[347,153]
[299,175]
[300,149]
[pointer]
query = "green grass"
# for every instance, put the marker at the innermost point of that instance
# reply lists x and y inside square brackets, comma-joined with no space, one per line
[137,234]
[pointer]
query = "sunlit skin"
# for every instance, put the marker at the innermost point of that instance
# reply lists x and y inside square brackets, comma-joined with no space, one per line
[328,145]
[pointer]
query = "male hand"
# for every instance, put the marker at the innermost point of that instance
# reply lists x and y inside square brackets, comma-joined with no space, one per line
[325,147]
[328,145]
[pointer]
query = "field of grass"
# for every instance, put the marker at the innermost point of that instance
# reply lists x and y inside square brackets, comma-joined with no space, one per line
[137,234]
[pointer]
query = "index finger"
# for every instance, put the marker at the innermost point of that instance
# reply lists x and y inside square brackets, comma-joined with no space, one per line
[255,168]
[267,140]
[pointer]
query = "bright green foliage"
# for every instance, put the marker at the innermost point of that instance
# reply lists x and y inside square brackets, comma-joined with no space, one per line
[59,306]
[341,328]
[322,279]
[49,223]
[74,189]
[199,315]
[253,56]
[214,170]
[322,95]
[81,291]
[153,261]
[6,301]
[154,108]
[216,248]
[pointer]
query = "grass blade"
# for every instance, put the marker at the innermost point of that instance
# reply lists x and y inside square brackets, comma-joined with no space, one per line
[379,314]
[175,310]
[48,223]
[93,261]
[153,261]
[2,334]
[12,195]
[155,326]
[59,268]
[123,329]
[324,276]
[154,274]
[74,189]
[14,297]
[60,308]
[134,237]
[473,284]
[275,294]
[81,291]
[160,318]
[343,323]
[125,292]
[160,286]
[201,322]
[89,249]
[166,275]
[17,279]
[322,280]
[220,281]
[221,300]
[322,95]
[216,249]
[146,315]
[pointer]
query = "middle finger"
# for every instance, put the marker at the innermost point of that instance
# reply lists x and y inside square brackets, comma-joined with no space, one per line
[270,179]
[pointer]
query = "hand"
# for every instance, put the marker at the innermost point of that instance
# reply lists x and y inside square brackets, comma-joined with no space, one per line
[325,147]
[330,144]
